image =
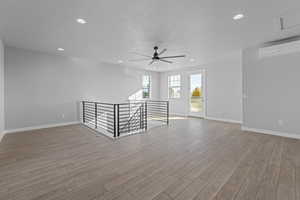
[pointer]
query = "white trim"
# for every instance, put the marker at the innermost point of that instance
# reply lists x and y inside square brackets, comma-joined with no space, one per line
[1,136]
[280,49]
[178,114]
[150,91]
[39,127]
[271,132]
[223,120]
[204,84]
[180,86]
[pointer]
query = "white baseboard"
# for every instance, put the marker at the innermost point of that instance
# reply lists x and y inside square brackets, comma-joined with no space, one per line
[178,114]
[39,127]
[223,120]
[1,135]
[209,118]
[271,132]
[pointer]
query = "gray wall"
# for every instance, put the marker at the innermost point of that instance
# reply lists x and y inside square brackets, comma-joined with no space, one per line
[42,89]
[271,92]
[1,89]
[223,88]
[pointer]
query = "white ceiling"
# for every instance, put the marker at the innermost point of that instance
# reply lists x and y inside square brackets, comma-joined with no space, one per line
[202,29]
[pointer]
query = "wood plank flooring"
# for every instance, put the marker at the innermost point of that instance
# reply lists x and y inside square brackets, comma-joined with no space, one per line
[192,159]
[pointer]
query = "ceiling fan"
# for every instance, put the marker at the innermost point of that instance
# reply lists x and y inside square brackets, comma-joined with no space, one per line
[156,57]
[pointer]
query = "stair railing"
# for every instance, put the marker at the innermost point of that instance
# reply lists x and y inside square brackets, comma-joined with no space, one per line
[134,122]
[115,120]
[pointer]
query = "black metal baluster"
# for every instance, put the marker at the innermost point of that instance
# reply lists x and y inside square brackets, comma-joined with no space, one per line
[141,116]
[118,119]
[83,111]
[146,117]
[167,112]
[129,117]
[96,115]
[115,122]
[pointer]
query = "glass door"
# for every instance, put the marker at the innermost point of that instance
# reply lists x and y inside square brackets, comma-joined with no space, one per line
[196,95]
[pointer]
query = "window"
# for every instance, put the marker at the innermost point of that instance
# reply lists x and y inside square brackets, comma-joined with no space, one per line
[146,86]
[174,86]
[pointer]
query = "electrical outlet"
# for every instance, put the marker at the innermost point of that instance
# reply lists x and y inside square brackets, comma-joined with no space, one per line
[223,114]
[280,122]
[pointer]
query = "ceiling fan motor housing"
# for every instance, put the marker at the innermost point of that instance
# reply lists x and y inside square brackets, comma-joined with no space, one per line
[155,55]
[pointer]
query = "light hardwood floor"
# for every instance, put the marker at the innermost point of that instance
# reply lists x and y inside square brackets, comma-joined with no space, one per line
[189,160]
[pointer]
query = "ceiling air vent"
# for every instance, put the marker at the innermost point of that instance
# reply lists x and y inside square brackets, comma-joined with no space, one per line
[280,47]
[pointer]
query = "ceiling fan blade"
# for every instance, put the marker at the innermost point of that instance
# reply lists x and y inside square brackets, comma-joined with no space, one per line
[136,60]
[163,51]
[151,62]
[166,61]
[140,54]
[179,56]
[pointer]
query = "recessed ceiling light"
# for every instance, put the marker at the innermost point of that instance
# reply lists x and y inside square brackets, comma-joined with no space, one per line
[238,16]
[60,49]
[81,21]
[192,60]
[120,61]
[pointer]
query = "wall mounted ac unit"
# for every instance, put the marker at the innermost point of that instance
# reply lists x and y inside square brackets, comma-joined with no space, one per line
[290,20]
[280,49]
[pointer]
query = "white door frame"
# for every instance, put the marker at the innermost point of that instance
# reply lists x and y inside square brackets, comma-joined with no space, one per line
[203,113]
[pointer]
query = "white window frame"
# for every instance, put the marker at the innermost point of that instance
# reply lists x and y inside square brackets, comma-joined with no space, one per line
[150,86]
[171,85]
